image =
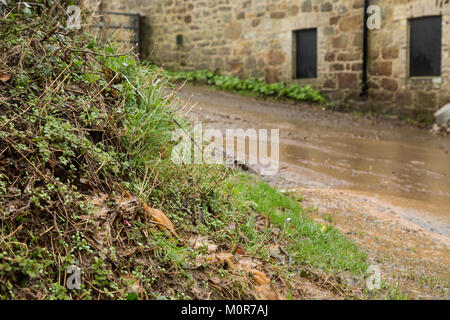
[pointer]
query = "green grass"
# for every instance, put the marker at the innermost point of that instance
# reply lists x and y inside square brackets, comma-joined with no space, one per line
[309,242]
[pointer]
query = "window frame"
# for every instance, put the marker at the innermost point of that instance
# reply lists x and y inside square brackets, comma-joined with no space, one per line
[295,73]
[408,51]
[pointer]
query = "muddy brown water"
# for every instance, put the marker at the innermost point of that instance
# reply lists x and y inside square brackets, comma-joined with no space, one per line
[408,167]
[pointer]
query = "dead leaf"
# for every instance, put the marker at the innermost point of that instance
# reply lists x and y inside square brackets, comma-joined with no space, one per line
[226,257]
[259,277]
[265,292]
[109,74]
[162,220]
[263,288]
[4,77]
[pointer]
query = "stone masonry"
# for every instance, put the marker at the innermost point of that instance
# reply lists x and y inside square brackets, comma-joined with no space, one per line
[254,38]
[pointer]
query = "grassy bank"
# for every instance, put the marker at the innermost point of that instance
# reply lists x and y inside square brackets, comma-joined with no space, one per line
[86,180]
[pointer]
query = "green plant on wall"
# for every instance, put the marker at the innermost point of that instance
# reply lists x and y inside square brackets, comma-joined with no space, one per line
[251,85]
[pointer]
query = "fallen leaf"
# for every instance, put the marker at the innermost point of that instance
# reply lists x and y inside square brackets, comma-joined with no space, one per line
[241,251]
[161,219]
[265,292]
[4,77]
[263,288]
[259,277]
[226,257]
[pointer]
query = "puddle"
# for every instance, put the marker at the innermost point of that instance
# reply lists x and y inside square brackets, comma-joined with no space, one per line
[407,167]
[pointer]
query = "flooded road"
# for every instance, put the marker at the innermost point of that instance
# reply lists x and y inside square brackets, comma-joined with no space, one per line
[406,167]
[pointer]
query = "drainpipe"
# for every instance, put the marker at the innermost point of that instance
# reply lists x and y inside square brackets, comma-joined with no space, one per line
[364,86]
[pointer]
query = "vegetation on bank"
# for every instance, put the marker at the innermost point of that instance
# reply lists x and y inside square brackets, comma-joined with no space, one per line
[86,180]
[317,245]
[250,86]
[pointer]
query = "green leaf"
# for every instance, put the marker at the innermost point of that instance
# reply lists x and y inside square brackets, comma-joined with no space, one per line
[132,296]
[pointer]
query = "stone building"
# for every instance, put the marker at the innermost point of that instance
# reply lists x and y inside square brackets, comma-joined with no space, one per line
[321,43]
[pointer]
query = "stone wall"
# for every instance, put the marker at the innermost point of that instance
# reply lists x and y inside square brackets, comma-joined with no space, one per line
[254,38]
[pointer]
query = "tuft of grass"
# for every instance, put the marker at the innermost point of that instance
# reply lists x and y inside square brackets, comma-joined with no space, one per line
[310,243]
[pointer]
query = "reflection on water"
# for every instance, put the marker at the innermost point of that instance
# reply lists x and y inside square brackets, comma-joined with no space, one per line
[410,166]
